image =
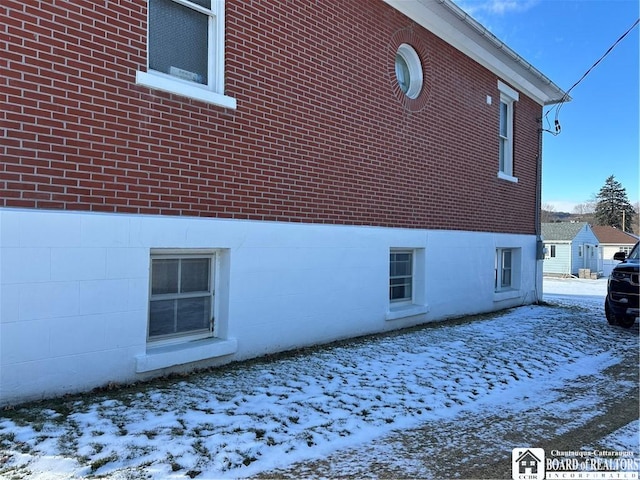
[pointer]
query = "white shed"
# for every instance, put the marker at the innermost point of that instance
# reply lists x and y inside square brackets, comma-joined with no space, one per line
[611,241]
[569,248]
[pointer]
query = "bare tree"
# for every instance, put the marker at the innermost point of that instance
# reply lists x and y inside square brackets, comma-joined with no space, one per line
[547,213]
[635,224]
[586,208]
[584,212]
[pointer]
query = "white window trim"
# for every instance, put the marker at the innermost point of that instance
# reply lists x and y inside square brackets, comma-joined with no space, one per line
[500,267]
[513,290]
[406,301]
[187,348]
[552,251]
[171,355]
[508,96]
[416,77]
[166,83]
[212,93]
[508,178]
[508,91]
[417,305]
[187,337]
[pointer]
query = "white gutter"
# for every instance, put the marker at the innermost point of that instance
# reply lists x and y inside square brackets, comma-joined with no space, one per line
[453,25]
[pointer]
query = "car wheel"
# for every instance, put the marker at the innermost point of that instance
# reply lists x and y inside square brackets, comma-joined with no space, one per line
[611,318]
[626,321]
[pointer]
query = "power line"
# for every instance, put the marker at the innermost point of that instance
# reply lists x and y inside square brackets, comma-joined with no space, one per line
[558,107]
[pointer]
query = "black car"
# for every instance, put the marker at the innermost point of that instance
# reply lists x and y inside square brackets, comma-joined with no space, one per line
[623,290]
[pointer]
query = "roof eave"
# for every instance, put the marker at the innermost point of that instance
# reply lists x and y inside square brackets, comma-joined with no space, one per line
[453,25]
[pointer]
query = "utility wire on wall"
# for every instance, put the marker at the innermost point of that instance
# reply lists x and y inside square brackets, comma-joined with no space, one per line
[556,128]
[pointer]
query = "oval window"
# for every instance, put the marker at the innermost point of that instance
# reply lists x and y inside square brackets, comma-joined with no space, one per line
[409,71]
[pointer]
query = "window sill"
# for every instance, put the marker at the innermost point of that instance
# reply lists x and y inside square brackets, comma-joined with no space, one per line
[508,178]
[167,84]
[506,295]
[178,354]
[403,311]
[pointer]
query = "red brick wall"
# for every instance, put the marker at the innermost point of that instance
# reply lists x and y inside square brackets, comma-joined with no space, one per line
[321,133]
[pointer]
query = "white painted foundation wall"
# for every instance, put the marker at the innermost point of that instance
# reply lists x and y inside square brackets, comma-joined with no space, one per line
[74,291]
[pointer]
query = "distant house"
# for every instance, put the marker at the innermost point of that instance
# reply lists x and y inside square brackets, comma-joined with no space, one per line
[570,247]
[612,240]
[188,183]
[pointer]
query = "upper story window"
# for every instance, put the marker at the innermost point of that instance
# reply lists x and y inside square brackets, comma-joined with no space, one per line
[508,97]
[409,71]
[186,49]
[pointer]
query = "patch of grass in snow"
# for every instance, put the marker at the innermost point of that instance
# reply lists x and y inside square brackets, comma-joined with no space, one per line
[68,441]
[7,439]
[307,438]
[570,308]
[137,451]
[173,463]
[13,472]
[122,428]
[201,430]
[97,447]
[101,462]
[179,431]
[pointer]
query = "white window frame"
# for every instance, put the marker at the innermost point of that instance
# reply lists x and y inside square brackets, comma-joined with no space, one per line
[213,92]
[405,300]
[414,66]
[194,348]
[508,97]
[192,335]
[416,305]
[551,251]
[514,270]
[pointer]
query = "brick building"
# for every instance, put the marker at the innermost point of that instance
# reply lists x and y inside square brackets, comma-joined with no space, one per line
[193,182]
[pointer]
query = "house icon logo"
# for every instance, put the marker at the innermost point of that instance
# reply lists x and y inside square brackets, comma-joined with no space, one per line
[527,464]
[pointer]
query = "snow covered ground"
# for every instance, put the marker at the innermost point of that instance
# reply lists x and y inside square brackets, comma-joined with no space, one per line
[267,415]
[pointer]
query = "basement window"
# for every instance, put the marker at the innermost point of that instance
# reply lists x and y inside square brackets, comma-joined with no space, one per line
[406,283]
[181,301]
[188,308]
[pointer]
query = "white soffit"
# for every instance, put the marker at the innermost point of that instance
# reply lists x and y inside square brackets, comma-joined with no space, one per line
[449,22]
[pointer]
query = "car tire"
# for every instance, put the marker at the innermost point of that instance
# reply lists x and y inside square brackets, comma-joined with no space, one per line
[611,318]
[626,321]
